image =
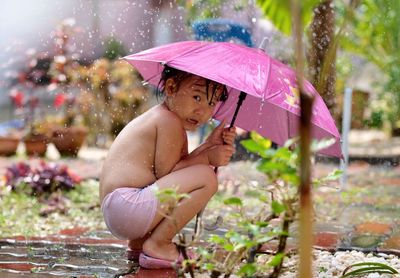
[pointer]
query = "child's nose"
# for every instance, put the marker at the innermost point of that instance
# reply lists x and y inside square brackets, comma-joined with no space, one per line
[204,109]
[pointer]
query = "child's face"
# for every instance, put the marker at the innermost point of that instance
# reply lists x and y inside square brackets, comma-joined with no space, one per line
[189,101]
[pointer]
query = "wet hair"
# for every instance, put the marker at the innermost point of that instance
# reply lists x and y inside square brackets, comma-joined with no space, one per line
[178,76]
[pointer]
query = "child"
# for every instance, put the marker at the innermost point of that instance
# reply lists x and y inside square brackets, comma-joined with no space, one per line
[150,153]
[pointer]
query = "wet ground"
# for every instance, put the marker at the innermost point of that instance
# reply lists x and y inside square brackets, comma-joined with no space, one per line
[363,215]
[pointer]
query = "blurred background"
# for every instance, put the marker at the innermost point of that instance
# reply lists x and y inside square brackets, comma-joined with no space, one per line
[59,61]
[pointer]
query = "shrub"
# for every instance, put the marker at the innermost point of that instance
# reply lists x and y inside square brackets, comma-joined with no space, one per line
[42,180]
[238,250]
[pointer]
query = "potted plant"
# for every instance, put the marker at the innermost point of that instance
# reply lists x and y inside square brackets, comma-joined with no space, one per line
[68,132]
[10,137]
[115,89]
[26,105]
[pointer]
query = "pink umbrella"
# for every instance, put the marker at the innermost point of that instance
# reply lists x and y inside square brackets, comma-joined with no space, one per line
[270,97]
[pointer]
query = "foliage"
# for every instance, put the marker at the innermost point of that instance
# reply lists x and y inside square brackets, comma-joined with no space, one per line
[114,89]
[237,251]
[279,12]
[366,268]
[205,9]
[44,179]
[114,49]
[20,213]
[82,92]
[374,34]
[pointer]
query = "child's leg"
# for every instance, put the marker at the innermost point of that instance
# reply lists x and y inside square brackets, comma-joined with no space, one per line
[137,243]
[200,182]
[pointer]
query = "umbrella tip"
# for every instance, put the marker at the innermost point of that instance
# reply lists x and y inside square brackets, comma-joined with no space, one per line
[263,44]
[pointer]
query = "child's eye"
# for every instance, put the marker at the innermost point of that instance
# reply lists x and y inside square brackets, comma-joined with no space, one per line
[197,98]
[211,103]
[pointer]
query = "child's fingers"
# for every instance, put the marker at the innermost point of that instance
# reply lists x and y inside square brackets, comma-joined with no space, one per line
[229,137]
[229,140]
[222,124]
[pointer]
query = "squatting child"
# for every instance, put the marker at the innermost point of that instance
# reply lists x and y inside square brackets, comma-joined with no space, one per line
[150,153]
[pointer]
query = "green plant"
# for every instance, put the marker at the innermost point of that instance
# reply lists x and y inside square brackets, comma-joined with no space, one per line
[238,250]
[366,268]
[114,49]
[373,33]
[21,213]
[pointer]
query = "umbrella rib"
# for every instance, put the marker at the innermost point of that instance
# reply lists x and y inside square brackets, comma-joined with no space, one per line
[184,53]
[268,72]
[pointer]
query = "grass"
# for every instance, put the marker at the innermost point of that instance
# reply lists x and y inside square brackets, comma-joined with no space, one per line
[20,213]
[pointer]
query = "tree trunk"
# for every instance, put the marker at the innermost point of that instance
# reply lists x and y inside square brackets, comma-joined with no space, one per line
[322,53]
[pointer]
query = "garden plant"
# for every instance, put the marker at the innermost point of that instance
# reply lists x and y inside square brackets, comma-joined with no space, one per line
[256,241]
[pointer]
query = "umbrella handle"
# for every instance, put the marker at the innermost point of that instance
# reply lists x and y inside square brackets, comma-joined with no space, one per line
[241,98]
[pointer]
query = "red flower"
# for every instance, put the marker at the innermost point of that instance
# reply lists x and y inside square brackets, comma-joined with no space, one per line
[17,97]
[59,100]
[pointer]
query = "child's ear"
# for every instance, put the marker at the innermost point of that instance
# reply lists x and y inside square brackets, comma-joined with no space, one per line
[170,87]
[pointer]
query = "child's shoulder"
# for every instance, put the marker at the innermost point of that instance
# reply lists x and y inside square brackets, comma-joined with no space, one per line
[164,117]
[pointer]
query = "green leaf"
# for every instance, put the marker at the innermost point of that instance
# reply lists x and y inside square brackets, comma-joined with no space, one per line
[217,239]
[257,144]
[333,175]
[228,247]
[370,267]
[248,270]
[263,198]
[283,154]
[277,207]
[260,140]
[208,266]
[269,166]
[279,13]
[276,260]
[236,201]
[251,146]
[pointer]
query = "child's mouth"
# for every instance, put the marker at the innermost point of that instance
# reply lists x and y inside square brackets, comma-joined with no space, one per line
[193,121]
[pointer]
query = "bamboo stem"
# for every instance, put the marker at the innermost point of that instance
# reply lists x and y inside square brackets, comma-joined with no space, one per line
[306,101]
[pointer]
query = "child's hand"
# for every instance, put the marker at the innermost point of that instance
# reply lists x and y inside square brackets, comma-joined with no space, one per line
[221,135]
[228,135]
[220,155]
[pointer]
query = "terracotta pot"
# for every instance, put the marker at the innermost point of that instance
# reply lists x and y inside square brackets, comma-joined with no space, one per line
[8,145]
[36,145]
[69,140]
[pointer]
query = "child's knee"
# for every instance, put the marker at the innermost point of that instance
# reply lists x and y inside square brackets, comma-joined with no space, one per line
[209,178]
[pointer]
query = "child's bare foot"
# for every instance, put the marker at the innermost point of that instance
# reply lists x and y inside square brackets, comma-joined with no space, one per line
[161,250]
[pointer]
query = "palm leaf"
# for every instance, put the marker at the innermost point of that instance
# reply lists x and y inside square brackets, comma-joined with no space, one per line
[279,13]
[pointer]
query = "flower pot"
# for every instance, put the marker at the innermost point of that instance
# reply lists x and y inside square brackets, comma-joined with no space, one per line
[69,140]
[8,145]
[36,145]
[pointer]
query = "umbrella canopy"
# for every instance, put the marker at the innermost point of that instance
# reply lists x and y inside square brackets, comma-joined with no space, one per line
[271,107]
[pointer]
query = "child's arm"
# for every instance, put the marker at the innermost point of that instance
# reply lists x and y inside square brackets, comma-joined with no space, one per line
[192,159]
[216,156]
